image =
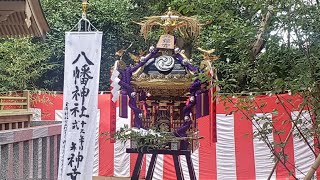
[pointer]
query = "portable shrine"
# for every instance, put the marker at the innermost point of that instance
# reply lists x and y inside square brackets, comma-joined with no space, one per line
[165,91]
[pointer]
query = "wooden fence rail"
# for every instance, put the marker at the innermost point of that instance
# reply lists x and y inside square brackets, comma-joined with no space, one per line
[30,153]
[14,111]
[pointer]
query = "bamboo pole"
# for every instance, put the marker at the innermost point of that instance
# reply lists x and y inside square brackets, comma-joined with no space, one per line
[313,169]
[285,143]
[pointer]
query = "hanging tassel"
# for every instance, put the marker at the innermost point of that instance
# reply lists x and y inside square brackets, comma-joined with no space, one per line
[202,104]
[123,104]
[213,115]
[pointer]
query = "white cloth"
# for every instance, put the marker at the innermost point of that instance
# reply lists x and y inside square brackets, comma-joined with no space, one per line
[80,102]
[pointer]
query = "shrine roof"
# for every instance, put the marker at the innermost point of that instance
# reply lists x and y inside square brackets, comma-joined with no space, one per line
[20,18]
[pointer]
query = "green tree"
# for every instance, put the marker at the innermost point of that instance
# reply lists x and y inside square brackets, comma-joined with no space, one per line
[114,18]
[260,43]
[22,63]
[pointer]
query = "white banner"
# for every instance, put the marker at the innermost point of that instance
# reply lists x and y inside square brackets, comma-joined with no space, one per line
[80,104]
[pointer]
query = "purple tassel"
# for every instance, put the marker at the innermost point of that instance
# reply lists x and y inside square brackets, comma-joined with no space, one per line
[123,104]
[202,104]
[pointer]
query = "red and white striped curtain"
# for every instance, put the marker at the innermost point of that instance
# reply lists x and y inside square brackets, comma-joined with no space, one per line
[236,155]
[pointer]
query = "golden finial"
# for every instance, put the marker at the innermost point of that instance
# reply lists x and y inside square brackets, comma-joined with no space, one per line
[207,54]
[136,58]
[84,6]
[170,22]
[169,13]
[122,51]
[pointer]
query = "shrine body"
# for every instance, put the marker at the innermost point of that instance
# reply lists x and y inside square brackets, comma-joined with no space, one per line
[166,94]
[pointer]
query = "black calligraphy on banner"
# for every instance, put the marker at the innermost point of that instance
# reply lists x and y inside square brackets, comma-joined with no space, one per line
[79,111]
[74,173]
[66,118]
[65,127]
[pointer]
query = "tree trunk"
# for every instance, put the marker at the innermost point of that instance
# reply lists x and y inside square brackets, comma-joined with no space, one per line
[261,37]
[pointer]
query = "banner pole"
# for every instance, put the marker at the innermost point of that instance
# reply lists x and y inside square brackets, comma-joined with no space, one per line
[84,6]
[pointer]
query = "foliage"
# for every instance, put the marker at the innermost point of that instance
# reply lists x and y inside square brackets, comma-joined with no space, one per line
[290,40]
[288,60]
[263,46]
[275,137]
[114,18]
[22,63]
[149,139]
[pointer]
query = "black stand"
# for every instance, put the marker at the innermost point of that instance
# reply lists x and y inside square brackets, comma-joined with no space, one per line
[175,154]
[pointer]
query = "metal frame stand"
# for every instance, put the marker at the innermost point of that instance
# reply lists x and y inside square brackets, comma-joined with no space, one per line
[175,154]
